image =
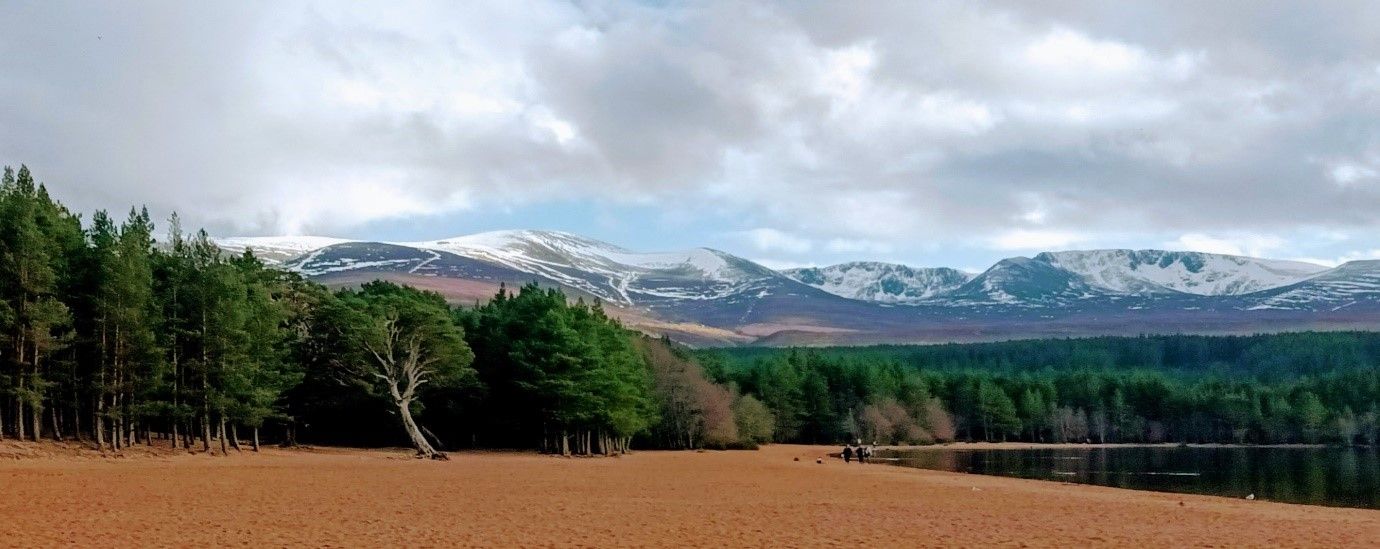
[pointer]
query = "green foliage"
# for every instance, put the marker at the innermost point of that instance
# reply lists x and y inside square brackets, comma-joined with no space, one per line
[1311,414]
[1144,389]
[385,320]
[754,419]
[1267,357]
[1034,412]
[397,341]
[552,368]
[996,411]
[125,337]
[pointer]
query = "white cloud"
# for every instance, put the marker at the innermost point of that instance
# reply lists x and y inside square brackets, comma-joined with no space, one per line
[1028,239]
[1076,59]
[1358,255]
[844,73]
[1246,245]
[365,197]
[781,264]
[865,129]
[1067,50]
[854,245]
[1348,173]
[772,240]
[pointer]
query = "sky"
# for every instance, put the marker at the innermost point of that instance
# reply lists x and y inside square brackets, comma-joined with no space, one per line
[794,133]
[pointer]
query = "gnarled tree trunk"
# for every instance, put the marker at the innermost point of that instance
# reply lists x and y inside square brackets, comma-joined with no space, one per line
[424,448]
[404,367]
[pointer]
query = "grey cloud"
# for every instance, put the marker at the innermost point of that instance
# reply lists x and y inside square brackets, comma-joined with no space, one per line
[884,121]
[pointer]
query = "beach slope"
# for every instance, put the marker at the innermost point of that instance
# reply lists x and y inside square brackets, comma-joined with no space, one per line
[380,498]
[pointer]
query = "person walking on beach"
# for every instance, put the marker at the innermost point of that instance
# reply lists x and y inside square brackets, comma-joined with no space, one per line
[847,454]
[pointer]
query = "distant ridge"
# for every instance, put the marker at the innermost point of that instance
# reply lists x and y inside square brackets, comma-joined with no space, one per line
[711,296]
[882,282]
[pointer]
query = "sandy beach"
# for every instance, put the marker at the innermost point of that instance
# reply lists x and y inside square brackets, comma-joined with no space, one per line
[337,497]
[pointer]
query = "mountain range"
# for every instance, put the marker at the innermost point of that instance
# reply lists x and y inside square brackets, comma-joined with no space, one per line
[707,296]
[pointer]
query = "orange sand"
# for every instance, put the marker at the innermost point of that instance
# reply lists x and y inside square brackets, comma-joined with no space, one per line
[722,499]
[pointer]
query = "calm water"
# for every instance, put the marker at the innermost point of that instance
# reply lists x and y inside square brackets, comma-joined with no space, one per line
[1348,477]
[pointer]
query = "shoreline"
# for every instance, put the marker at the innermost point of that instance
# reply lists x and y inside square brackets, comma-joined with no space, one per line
[1076,445]
[776,496]
[24,450]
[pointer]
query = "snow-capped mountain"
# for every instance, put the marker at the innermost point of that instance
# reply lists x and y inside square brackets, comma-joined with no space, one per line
[347,256]
[1125,276]
[601,269]
[693,293]
[1142,272]
[1022,281]
[881,282]
[274,249]
[1355,284]
[607,271]
[1057,277]
[712,296]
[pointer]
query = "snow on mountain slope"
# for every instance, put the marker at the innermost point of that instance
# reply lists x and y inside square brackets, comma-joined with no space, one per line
[1022,282]
[356,256]
[1059,276]
[606,270]
[275,249]
[1143,272]
[706,284]
[881,282]
[1351,285]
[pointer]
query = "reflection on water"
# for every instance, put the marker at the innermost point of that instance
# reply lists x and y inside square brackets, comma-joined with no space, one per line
[1348,477]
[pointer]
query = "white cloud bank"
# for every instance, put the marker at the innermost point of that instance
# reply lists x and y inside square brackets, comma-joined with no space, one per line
[819,127]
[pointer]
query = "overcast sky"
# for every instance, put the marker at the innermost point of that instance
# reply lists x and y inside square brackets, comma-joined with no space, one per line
[928,133]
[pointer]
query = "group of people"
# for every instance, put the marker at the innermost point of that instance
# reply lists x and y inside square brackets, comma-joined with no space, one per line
[860,451]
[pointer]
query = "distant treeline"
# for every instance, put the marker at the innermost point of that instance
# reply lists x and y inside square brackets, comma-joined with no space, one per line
[1267,356]
[113,338]
[1282,388]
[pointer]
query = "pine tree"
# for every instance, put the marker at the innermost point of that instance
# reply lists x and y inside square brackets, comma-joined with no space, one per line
[997,410]
[1034,413]
[1311,414]
[104,308]
[137,357]
[28,255]
[172,277]
[267,373]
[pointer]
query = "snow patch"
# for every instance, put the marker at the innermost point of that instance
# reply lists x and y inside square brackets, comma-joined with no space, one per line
[1144,272]
[881,282]
[275,250]
[602,269]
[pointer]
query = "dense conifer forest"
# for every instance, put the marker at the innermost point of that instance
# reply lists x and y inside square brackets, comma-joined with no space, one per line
[118,334]
[1313,387]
